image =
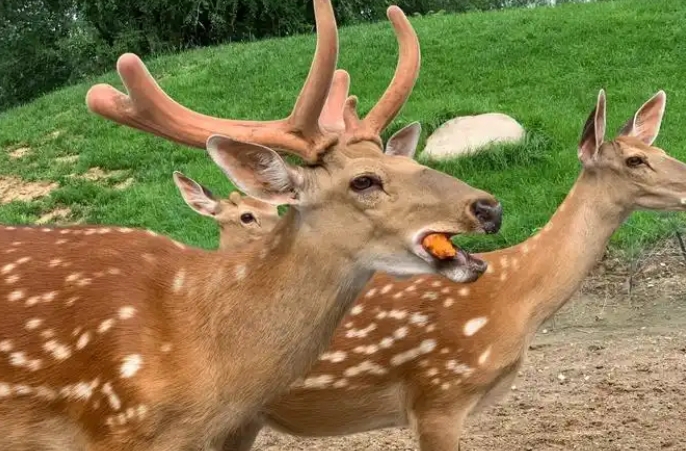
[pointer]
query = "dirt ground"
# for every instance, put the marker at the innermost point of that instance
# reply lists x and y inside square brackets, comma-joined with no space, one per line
[607,373]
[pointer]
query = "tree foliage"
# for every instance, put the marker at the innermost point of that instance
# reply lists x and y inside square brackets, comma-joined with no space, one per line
[45,44]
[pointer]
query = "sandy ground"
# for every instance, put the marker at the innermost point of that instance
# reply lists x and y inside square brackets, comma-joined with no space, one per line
[607,373]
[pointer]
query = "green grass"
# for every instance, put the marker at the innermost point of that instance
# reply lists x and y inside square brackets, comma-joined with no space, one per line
[543,66]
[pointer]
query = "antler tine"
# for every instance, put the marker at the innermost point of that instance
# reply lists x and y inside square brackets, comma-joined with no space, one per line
[150,109]
[331,118]
[406,73]
[315,91]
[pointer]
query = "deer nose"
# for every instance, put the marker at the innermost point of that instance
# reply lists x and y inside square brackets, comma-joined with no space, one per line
[489,213]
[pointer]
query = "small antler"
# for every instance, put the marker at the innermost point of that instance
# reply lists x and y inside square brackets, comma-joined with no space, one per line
[149,108]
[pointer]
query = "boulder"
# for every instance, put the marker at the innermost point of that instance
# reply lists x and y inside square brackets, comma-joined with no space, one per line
[465,134]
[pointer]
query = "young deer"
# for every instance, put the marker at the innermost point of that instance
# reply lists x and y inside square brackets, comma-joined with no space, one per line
[241,219]
[427,351]
[122,340]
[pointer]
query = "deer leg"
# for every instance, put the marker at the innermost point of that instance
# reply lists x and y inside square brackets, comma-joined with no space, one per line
[243,438]
[438,426]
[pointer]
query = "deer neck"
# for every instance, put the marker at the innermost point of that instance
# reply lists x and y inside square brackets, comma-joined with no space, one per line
[554,262]
[293,292]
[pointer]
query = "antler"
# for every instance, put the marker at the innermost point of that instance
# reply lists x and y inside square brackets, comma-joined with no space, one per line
[315,122]
[149,108]
[398,91]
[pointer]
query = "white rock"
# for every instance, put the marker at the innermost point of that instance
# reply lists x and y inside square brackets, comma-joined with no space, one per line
[465,134]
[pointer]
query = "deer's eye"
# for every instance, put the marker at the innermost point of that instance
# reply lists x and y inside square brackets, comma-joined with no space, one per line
[364,182]
[247,218]
[635,161]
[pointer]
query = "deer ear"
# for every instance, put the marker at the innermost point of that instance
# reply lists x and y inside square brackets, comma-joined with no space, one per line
[256,170]
[404,141]
[594,132]
[196,196]
[235,198]
[645,125]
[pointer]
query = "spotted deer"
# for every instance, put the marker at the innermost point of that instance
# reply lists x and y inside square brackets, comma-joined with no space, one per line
[123,340]
[241,219]
[427,351]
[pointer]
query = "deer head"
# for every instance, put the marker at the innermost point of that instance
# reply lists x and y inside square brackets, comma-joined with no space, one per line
[375,207]
[642,174]
[240,219]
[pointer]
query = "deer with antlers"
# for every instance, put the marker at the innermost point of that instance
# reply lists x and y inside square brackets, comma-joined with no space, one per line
[375,373]
[123,340]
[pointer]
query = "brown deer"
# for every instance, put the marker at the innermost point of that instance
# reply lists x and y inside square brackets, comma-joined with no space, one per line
[241,219]
[123,340]
[426,351]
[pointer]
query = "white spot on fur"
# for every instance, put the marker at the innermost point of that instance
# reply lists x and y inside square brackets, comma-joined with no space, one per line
[398,295]
[126,312]
[464,291]
[436,283]
[340,383]
[386,342]
[112,397]
[445,386]
[430,295]
[132,363]
[474,325]
[241,271]
[356,310]
[166,347]
[432,372]
[333,357]
[33,323]
[23,260]
[83,340]
[360,333]
[318,382]
[55,262]
[33,300]
[105,326]
[14,278]
[7,268]
[370,293]
[448,302]
[17,359]
[484,356]
[525,248]
[397,314]
[114,271]
[458,368]
[47,333]
[548,227]
[503,277]
[419,319]
[5,390]
[424,347]
[400,333]
[58,351]
[15,295]
[386,288]
[178,280]
[71,300]
[365,367]
[5,345]
[490,269]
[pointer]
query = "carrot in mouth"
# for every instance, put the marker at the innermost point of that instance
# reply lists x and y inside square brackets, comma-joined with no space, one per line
[438,245]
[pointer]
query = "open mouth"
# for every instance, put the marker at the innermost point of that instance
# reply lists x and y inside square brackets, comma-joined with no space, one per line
[437,249]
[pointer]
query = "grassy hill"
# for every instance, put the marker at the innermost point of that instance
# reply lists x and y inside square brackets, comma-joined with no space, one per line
[543,66]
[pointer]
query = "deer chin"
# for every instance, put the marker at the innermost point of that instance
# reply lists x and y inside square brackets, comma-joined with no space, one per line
[461,268]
